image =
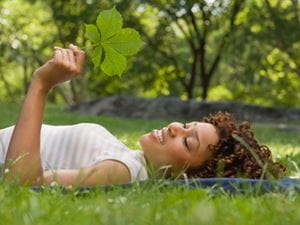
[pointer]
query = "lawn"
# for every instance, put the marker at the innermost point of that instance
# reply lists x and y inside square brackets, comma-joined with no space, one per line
[152,204]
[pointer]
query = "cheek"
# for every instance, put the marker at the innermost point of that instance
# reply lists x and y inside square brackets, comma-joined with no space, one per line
[178,152]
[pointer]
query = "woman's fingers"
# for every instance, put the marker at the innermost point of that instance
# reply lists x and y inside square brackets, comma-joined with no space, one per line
[72,61]
[73,47]
[72,58]
[65,56]
[79,56]
[57,54]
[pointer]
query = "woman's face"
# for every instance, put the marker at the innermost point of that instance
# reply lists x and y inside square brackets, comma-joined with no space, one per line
[179,145]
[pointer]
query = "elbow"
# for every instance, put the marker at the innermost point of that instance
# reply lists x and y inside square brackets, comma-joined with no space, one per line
[23,179]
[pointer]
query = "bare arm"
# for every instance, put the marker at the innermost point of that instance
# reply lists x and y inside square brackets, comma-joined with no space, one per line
[23,160]
[23,157]
[106,172]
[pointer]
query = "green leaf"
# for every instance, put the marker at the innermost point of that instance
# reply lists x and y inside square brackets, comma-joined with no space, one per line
[114,63]
[92,33]
[97,56]
[127,42]
[112,41]
[109,23]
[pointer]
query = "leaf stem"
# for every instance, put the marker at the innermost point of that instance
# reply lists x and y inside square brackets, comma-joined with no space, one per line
[255,156]
[89,47]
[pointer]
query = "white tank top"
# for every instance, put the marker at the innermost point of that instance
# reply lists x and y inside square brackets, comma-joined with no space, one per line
[78,146]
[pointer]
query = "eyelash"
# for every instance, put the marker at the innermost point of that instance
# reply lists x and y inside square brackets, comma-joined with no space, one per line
[185,139]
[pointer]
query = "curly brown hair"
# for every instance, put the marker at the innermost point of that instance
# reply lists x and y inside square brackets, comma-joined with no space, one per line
[237,154]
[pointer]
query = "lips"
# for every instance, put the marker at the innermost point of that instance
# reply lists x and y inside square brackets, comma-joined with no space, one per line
[154,136]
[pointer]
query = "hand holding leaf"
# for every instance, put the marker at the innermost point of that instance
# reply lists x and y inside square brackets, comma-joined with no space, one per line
[112,42]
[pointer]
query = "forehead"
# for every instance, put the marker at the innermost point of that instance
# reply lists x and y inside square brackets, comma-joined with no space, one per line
[204,128]
[201,124]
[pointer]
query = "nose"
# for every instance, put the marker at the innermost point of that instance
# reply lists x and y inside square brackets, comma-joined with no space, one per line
[175,129]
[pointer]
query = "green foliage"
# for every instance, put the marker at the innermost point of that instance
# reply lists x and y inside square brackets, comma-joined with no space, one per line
[112,41]
[259,64]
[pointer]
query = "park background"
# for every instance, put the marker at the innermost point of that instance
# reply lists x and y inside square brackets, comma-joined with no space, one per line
[218,50]
[212,50]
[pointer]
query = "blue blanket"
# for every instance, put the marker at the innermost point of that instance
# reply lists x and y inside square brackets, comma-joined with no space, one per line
[233,185]
[242,185]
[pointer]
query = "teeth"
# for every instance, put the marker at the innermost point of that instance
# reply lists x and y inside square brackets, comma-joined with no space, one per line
[160,136]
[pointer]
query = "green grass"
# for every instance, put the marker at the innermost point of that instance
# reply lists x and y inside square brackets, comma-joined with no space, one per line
[152,204]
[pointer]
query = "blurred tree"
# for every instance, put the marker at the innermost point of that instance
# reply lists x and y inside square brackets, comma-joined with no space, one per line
[21,38]
[206,27]
[69,18]
[245,50]
[262,63]
[284,28]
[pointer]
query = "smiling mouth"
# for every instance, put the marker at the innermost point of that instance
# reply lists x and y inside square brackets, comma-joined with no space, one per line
[159,134]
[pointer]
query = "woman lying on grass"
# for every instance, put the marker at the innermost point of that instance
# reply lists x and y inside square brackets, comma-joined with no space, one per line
[88,155]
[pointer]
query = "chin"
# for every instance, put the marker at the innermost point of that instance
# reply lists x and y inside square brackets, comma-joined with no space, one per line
[146,143]
[143,141]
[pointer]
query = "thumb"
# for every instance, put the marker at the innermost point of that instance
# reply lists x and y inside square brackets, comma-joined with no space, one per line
[79,56]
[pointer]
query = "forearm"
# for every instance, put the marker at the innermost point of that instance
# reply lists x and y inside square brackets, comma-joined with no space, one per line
[23,160]
[102,173]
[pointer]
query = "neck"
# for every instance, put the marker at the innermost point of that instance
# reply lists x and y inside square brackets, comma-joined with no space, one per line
[157,172]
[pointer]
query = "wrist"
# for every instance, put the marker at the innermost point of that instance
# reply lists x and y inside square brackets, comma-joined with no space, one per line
[38,85]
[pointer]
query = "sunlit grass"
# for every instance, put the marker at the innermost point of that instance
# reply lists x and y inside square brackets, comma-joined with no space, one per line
[152,204]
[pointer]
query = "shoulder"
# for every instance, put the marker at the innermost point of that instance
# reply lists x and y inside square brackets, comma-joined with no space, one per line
[115,171]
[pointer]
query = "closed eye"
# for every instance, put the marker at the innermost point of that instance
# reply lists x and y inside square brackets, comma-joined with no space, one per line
[186,143]
[185,139]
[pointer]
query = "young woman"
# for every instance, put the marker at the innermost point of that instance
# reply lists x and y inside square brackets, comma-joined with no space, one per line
[87,154]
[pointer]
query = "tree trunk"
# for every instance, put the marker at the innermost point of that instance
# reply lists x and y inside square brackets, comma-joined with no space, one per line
[191,84]
[67,99]
[73,90]
[6,86]
[205,86]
